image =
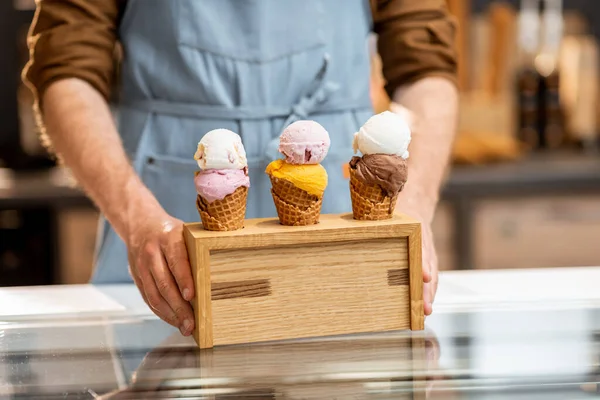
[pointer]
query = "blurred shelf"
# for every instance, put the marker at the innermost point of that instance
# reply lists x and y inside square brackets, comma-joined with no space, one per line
[556,176]
[48,188]
[536,174]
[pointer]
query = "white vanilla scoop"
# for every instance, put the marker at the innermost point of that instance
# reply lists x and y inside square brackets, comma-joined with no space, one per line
[221,149]
[385,133]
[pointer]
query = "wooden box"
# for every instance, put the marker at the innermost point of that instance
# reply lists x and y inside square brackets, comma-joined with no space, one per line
[273,282]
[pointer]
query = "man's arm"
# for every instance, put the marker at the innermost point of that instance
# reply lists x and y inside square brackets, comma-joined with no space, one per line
[416,42]
[79,123]
[70,72]
[433,107]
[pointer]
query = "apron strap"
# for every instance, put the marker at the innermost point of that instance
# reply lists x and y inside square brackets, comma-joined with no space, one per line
[312,102]
[317,93]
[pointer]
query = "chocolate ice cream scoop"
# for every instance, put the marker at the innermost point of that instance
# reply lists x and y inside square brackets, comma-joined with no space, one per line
[388,171]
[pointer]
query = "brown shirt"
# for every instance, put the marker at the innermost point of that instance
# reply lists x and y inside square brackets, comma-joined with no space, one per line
[78,38]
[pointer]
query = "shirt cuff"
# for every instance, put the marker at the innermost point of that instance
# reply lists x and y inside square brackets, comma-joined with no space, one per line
[71,51]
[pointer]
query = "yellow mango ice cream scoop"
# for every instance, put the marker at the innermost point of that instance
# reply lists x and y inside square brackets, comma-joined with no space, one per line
[311,178]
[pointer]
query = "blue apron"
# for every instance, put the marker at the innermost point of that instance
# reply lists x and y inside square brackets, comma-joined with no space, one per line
[251,66]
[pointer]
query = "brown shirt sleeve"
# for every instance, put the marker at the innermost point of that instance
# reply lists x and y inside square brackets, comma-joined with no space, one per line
[77,38]
[416,38]
[72,39]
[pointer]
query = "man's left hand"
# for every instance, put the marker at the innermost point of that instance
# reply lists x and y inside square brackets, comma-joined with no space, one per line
[429,257]
[430,268]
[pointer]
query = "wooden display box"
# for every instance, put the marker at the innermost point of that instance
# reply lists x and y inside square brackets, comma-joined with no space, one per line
[273,282]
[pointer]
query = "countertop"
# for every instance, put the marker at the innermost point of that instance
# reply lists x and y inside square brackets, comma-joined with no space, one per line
[524,334]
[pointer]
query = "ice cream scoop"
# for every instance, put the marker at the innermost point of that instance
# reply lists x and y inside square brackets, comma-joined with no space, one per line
[388,171]
[304,142]
[384,133]
[222,182]
[311,178]
[215,184]
[221,149]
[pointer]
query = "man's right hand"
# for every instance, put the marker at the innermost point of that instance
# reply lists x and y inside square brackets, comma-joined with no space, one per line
[160,268]
[79,122]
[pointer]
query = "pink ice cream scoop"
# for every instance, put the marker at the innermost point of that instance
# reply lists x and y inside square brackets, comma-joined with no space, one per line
[215,184]
[304,142]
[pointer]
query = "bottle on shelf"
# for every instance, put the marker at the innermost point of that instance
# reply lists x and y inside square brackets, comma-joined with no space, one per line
[541,117]
[528,129]
[551,113]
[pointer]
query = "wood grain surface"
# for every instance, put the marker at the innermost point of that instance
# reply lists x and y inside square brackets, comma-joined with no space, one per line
[415,255]
[241,289]
[321,289]
[269,232]
[271,282]
[201,303]
[398,277]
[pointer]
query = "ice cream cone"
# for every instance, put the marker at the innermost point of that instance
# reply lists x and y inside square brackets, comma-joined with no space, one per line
[380,174]
[222,183]
[227,214]
[370,202]
[298,181]
[295,206]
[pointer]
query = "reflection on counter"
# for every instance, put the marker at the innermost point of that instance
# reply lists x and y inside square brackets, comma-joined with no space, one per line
[524,190]
[370,365]
[478,350]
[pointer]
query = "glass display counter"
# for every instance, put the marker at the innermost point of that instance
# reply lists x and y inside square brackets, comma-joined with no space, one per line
[544,347]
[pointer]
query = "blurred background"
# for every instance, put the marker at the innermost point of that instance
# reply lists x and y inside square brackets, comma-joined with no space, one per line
[523,192]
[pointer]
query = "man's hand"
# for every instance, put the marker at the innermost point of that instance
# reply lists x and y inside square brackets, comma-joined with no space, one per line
[429,257]
[79,122]
[160,268]
[430,268]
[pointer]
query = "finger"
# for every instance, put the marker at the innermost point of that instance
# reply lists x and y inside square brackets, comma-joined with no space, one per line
[177,259]
[426,274]
[156,302]
[168,290]
[434,277]
[432,291]
[138,283]
[136,279]
[428,309]
[427,270]
[427,305]
[434,288]
[427,284]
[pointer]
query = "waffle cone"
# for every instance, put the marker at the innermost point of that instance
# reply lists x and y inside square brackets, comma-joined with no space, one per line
[224,215]
[370,202]
[295,206]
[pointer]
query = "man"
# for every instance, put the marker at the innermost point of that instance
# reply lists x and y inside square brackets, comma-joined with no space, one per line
[190,66]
